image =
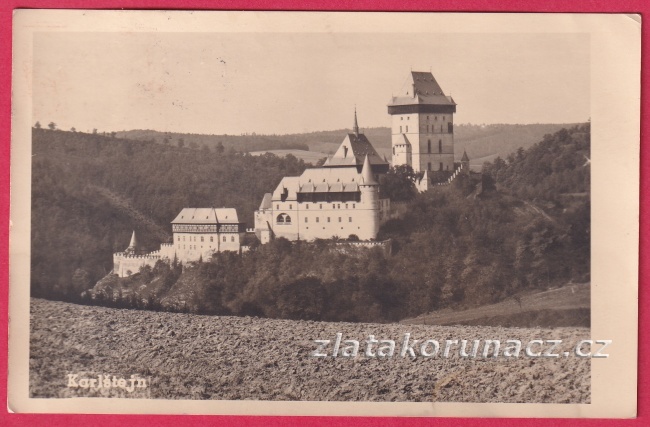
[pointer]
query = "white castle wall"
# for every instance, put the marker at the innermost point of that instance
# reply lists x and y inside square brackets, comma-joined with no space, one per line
[126,265]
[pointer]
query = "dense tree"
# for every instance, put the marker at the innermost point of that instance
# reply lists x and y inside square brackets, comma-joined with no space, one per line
[399,183]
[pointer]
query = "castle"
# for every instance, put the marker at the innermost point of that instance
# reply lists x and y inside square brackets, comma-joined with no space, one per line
[197,234]
[422,129]
[339,199]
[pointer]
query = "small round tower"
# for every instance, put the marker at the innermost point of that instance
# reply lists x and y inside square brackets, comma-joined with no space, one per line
[369,188]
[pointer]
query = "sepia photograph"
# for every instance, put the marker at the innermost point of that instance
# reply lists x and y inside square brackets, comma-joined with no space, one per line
[238,207]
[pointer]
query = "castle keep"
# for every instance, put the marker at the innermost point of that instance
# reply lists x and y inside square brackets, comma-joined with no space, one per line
[422,129]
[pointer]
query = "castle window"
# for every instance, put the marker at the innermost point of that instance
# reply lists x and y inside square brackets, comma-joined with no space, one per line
[440,165]
[179,238]
[306,206]
[280,219]
[353,205]
[429,147]
[328,219]
[287,220]
[224,238]
[211,239]
[201,238]
[340,219]
[290,207]
[440,146]
[232,238]
[444,118]
[350,219]
[436,118]
[450,127]
[429,166]
[401,118]
[316,219]
[306,219]
[277,207]
[427,117]
[346,206]
[408,118]
[407,129]
[400,129]
[321,206]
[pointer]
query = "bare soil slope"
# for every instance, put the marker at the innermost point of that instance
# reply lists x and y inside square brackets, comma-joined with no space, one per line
[201,357]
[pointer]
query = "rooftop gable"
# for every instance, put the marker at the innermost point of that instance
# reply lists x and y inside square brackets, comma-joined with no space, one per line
[352,152]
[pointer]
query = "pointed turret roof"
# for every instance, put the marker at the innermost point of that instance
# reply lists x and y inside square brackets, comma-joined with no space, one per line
[355,129]
[366,173]
[465,158]
[134,242]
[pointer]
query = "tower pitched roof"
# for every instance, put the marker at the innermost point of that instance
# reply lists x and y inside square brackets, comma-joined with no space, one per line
[465,157]
[422,88]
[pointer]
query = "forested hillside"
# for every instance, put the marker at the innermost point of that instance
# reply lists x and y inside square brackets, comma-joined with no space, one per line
[459,246]
[523,226]
[86,188]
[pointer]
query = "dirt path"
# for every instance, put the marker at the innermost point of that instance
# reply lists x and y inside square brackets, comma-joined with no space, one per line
[570,297]
[185,356]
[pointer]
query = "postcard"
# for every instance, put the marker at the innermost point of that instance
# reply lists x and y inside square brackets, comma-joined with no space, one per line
[309,213]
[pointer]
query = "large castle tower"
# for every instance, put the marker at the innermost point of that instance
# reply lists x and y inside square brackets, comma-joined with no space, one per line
[423,125]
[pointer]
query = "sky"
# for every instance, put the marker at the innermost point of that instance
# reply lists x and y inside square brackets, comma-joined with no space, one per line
[276,83]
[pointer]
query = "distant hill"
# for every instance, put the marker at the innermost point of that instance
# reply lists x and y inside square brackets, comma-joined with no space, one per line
[482,142]
[241,143]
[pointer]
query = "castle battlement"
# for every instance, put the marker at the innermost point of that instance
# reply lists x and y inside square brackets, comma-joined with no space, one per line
[152,255]
[345,247]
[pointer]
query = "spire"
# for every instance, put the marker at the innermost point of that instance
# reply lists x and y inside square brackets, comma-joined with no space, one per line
[134,242]
[366,173]
[355,129]
[465,157]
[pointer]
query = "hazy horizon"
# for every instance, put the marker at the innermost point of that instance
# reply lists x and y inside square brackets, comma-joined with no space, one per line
[288,83]
[361,129]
